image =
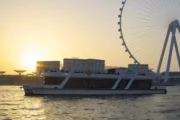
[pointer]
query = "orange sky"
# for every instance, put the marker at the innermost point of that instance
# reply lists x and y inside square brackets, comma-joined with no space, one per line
[52,30]
[33,30]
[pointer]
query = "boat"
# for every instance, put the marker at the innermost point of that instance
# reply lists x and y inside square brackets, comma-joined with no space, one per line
[94,84]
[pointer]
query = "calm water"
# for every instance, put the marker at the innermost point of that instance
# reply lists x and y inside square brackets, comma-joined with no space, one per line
[15,106]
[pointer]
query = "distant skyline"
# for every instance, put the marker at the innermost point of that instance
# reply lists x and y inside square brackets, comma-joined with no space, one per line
[46,30]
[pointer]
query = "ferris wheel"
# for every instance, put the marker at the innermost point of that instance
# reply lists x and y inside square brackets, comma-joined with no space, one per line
[150,33]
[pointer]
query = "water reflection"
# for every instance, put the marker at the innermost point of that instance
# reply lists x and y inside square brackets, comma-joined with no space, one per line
[33,107]
[15,106]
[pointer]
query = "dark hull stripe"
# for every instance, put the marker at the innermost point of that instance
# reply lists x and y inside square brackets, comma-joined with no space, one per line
[96,84]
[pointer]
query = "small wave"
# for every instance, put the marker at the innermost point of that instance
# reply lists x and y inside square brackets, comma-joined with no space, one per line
[9,104]
[31,108]
[7,118]
[14,100]
[171,110]
[66,113]
[2,114]
[88,109]
[113,118]
[14,109]
[101,103]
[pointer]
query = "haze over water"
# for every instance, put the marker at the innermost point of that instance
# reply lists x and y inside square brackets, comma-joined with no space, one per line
[15,106]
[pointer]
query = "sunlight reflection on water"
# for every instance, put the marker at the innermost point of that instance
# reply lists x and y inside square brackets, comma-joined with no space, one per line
[15,106]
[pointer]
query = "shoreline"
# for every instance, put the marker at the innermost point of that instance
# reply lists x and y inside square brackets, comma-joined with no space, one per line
[19,80]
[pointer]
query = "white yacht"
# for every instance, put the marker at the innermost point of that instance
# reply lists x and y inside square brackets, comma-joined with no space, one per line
[83,84]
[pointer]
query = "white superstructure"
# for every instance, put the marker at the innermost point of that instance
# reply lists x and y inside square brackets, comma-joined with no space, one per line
[138,69]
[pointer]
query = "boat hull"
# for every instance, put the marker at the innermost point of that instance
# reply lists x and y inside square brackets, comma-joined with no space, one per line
[63,92]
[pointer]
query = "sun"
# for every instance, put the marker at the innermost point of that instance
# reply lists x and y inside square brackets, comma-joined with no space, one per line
[30,61]
[30,56]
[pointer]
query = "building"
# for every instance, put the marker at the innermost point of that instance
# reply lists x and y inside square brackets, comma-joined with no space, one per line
[69,63]
[45,66]
[2,72]
[84,65]
[138,69]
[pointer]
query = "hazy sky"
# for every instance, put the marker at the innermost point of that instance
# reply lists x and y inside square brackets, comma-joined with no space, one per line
[33,30]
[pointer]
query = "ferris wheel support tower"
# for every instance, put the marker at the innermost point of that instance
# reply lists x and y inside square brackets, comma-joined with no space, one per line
[172,29]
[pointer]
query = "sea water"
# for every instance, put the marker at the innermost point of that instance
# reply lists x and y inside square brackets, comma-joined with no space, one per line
[15,106]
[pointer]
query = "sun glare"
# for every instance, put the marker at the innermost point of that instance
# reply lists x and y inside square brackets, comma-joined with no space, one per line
[30,59]
[30,62]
